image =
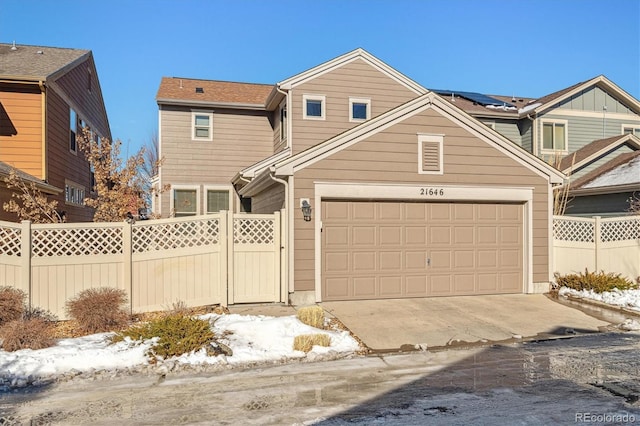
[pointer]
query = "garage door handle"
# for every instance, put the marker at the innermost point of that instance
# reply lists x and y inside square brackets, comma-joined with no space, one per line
[428,261]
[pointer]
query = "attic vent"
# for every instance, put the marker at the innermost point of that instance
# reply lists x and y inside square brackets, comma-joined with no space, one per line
[199,90]
[430,154]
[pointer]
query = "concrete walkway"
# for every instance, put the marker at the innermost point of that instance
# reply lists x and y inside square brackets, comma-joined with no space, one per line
[444,321]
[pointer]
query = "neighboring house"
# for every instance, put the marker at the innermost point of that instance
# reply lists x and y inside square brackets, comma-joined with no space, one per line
[410,195]
[47,95]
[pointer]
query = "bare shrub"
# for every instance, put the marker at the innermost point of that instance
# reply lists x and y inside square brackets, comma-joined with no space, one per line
[311,315]
[306,342]
[32,333]
[99,309]
[11,304]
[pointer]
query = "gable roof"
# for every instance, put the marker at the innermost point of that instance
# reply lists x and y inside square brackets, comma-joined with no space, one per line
[5,169]
[408,109]
[341,60]
[595,149]
[621,174]
[183,90]
[37,63]
[552,99]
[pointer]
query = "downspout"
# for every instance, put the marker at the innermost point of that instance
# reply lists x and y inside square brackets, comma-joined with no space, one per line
[286,95]
[43,105]
[287,245]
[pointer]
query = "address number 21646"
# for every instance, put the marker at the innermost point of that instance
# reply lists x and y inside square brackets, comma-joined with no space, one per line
[432,192]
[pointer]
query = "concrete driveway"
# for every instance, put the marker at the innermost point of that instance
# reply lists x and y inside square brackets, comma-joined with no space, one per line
[445,321]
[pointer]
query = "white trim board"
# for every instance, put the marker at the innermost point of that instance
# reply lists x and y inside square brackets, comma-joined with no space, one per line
[411,192]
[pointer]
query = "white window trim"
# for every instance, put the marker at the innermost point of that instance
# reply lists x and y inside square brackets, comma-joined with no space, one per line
[352,101]
[629,126]
[425,137]
[172,197]
[193,125]
[311,97]
[218,188]
[566,136]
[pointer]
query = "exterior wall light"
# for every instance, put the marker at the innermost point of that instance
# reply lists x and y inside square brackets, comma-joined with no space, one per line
[306,210]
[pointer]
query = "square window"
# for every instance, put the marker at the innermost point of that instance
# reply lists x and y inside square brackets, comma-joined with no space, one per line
[185,202]
[554,136]
[359,109]
[313,107]
[217,200]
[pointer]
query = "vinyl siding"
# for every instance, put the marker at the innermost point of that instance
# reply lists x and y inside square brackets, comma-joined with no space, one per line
[526,134]
[509,129]
[355,79]
[593,99]
[278,143]
[391,156]
[599,205]
[240,139]
[584,130]
[21,128]
[269,201]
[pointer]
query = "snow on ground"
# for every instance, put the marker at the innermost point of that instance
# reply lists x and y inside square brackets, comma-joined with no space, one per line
[253,339]
[628,298]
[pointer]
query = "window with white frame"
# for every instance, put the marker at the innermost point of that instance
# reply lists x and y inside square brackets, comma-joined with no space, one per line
[554,135]
[631,129]
[202,126]
[283,122]
[313,107]
[73,130]
[184,201]
[73,193]
[430,154]
[217,200]
[359,109]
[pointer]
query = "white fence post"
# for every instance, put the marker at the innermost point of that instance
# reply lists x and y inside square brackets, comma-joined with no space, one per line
[25,261]
[230,251]
[597,240]
[284,267]
[223,273]
[127,258]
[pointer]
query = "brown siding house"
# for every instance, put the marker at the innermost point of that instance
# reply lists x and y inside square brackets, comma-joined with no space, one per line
[47,95]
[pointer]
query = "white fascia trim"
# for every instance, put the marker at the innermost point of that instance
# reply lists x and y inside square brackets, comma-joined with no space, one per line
[223,187]
[559,112]
[207,104]
[412,192]
[346,59]
[255,169]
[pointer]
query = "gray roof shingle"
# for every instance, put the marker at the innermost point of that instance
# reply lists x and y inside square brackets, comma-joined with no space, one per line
[36,62]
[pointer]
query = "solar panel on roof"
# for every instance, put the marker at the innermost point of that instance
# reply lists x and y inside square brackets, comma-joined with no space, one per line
[478,98]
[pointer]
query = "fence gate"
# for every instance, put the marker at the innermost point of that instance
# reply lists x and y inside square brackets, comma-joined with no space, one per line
[254,258]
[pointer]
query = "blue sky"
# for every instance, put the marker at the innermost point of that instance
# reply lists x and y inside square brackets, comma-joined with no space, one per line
[526,48]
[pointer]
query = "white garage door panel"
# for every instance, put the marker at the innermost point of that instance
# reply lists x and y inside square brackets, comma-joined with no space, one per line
[392,249]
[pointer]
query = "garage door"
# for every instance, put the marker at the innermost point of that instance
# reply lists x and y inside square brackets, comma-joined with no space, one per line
[389,249]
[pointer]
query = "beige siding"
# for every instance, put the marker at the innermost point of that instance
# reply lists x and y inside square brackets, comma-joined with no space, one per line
[356,79]
[21,128]
[391,156]
[269,201]
[278,142]
[240,139]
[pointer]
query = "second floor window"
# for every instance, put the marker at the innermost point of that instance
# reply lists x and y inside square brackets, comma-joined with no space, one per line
[73,130]
[359,109]
[631,130]
[313,107]
[554,136]
[202,129]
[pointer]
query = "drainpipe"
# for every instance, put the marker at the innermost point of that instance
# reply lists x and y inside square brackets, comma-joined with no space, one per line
[286,95]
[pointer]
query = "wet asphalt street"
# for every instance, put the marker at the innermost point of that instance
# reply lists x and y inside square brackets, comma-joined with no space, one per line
[592,379]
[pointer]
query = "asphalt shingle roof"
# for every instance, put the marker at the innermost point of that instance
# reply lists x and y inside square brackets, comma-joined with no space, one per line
[184,89]
[35,62]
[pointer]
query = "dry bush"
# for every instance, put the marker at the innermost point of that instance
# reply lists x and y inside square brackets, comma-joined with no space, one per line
[99,309]
[33,333]
[178,334]
[11,304]
[306,342]
[311,315]
[596,281]
[178,308]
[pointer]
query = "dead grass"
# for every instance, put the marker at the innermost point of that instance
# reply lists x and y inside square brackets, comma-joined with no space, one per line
[306,342]
[33,333]
[99,309]
[11,304]
[312,316]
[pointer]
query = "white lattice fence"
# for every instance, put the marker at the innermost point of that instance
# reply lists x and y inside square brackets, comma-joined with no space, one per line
[12,261]
[175,235]
[611,245]
[52,241]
